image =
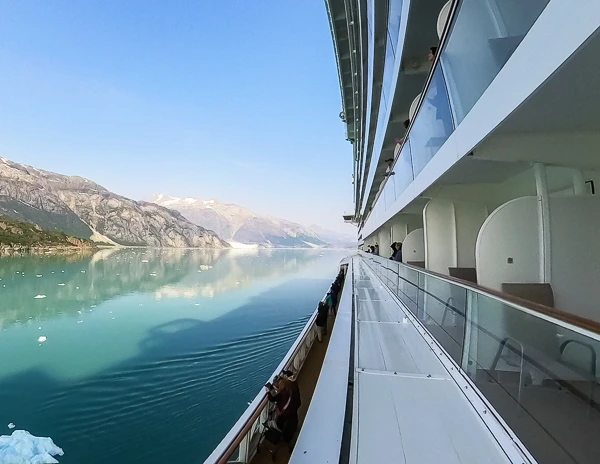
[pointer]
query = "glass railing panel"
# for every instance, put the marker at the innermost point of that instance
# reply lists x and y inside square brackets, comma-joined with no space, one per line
[403,170]
[483,37]
[433,124]
[408,285]
[388,71]
[540,377]
[395,9]
[442,309]
[390,193]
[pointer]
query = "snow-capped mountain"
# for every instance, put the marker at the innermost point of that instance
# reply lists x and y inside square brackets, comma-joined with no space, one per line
[238,224]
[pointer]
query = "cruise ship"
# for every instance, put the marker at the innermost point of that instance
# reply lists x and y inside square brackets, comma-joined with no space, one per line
[475,134]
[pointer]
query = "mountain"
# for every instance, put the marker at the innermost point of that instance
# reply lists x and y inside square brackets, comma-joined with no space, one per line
[20,235]
[239,224]
[82,208]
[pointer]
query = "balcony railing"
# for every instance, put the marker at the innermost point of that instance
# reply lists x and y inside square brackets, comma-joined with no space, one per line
[537,367]
[481,36]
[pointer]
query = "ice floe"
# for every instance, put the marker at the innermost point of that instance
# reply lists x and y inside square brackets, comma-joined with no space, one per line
[39,275]
[61,285]
[42,339]
[21,447]
[11,426]
[38,297]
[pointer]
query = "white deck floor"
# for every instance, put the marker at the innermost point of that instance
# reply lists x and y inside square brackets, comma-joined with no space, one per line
[408,409]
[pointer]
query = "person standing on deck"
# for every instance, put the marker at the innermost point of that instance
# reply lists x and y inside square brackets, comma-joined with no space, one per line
[376,249]
[321,321]
[398,255]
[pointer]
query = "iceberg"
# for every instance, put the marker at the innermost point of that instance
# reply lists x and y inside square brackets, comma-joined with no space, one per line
[38,297]
[23,448]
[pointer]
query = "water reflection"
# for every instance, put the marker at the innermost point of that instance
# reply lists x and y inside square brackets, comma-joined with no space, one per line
[149,355]
[71,283]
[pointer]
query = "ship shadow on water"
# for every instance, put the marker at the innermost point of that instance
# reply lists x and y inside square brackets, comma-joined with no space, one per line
[174,400]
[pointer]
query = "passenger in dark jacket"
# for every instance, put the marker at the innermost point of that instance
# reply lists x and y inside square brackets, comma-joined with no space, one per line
[398,255]
[321,322]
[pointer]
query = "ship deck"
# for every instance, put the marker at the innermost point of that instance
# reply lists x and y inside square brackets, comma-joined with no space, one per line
[407,407]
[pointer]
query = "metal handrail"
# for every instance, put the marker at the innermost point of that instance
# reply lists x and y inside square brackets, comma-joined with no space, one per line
[593,365]
[498,357]
[578,324]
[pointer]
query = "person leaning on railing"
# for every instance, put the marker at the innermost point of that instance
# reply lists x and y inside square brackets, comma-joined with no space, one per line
[285,393]
[396,251]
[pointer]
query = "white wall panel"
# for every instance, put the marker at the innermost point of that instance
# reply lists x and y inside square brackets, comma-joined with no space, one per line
[510,233]
[413,247]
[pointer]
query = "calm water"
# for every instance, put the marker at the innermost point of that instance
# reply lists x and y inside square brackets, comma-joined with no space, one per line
[150,355]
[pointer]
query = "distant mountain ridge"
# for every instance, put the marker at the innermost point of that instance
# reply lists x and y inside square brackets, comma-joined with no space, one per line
[79,207]
[238,224]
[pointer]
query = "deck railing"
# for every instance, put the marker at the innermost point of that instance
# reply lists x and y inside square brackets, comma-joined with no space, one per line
[536,366]
[241,442]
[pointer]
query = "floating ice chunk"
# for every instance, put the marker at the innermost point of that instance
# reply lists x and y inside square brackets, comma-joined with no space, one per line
[118,274]
[21,447]
[93,306]
[38,297]
[42,339]
[78,311]
[153,274]
[61,285]
[196,304]
[144,260]
[113,317]
[62,271]
[79,322]
[11,426]
[77,288]
[38,275]
[83,272]
[52,272]
[39,328]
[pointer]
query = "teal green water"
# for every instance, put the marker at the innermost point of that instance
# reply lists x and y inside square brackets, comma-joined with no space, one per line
[150,355]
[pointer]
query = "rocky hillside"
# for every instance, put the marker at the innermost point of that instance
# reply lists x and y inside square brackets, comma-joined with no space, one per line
[239,224]
[20,235]
[82,208]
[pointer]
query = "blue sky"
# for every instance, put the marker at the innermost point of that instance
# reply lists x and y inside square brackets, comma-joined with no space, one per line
[232,99]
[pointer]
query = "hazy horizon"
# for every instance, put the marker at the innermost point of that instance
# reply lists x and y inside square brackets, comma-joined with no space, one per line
[219,100]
